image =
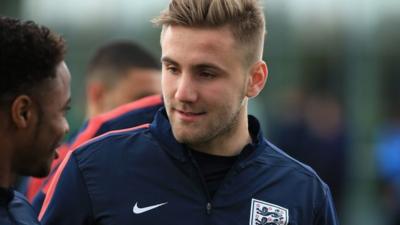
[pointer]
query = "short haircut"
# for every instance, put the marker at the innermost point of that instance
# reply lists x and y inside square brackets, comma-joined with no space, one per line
[245,18]
[114,59]
[29,54]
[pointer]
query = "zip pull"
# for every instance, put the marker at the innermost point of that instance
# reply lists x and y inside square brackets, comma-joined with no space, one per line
[209,208]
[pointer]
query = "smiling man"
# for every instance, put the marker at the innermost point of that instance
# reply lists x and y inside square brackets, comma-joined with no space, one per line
[203,160]
[34,97]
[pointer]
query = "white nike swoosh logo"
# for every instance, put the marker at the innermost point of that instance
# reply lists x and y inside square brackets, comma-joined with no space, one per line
[138,210]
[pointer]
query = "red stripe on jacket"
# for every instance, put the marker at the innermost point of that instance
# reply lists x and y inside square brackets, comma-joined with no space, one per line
[96,122]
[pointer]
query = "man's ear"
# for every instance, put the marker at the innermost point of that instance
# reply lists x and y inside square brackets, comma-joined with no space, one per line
[22,111]
[95,92]
[258,78]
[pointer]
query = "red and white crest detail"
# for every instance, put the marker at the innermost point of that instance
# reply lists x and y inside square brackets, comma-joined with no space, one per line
[265,213]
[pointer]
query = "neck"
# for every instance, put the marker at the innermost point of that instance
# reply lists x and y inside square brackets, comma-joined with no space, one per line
[230,143]
[6,174]
[8,140]
[92,110]
[7,178]
[89,112]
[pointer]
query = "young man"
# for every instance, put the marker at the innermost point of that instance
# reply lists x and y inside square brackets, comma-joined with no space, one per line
[119,75]
[34,97]
[203,160]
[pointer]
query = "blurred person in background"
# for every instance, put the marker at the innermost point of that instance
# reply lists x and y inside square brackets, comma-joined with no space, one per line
[203,160]
[387,151]
[119,75]
[312,130]
[120,72]
[34,98]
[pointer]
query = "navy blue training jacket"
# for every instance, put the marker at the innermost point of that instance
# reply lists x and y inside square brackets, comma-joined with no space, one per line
[145,176]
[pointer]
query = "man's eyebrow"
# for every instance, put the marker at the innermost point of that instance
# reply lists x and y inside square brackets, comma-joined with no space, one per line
[207,65]
[166,59]
[199,66]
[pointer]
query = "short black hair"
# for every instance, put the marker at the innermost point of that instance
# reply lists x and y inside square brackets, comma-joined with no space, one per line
[29,54]
[117,57]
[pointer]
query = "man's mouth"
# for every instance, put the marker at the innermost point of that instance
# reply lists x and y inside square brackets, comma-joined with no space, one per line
[189,116]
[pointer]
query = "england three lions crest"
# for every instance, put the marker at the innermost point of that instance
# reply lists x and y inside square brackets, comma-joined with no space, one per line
[264,213]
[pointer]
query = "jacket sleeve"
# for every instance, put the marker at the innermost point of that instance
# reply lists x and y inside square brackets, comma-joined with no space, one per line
[326,213]
[67,200]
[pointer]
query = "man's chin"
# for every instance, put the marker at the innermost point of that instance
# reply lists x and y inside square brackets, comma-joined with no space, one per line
[187,139]
[183,139]
[182,136]
[35,172]
[41,171]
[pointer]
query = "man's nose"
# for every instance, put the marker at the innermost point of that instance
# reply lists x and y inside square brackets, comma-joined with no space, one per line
[186,89]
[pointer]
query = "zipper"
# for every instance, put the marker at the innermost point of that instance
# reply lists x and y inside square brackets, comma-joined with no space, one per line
[236,167]
[203,183]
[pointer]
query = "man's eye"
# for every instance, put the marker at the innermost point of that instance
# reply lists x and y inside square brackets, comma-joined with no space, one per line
[207,74]
[172,70]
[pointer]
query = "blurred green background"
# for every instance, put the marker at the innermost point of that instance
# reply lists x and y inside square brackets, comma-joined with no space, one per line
[348,50]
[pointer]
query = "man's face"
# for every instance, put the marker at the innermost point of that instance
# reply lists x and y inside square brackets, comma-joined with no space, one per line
[136,84]
[51,126]
[204,84]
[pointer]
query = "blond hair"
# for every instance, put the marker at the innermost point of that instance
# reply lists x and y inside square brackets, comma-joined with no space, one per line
[245,18]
